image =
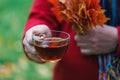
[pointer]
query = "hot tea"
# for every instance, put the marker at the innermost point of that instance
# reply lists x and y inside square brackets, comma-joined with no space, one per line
[51,48]
[51,52]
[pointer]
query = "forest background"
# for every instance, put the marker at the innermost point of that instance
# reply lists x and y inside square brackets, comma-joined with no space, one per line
[13,63]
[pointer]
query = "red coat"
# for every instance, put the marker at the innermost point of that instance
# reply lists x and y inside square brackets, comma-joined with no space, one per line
[74,65]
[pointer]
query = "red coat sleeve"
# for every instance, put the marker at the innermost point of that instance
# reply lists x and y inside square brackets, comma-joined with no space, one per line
[40,13]
[118,48]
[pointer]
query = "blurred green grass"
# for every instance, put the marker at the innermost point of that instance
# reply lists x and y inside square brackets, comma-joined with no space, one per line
[13,63]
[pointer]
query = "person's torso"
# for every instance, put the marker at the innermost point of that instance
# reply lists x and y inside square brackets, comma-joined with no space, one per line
[75,65]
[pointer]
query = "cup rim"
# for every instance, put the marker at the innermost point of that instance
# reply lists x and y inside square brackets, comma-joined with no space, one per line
[63,39]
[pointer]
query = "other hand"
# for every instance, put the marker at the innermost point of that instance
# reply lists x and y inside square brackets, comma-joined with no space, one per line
[99,40]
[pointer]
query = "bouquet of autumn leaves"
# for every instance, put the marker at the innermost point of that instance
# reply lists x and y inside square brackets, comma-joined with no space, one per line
[85,14]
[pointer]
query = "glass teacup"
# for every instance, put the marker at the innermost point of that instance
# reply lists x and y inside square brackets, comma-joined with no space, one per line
[51,48]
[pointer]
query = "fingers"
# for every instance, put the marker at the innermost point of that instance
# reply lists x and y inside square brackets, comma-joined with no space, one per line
[82,38]
[35,58]
[87,48]
[38,29]
[86,43]
[28,47]
[31,52]
[43,29]
[90,51]
[86,51]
